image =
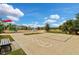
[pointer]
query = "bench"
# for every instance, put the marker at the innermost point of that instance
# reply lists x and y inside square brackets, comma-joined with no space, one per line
[5,45]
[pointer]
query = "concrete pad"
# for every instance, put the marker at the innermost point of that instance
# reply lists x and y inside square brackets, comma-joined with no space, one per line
[45,44]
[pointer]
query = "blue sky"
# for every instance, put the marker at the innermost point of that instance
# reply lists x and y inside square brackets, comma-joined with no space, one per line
[39,13]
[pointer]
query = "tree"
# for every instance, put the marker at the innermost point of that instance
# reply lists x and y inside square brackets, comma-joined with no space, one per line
[1,27]
[71,26]
[47,27]
[67,26]
[38,28]
[63,27]
[76,24]
[12,27]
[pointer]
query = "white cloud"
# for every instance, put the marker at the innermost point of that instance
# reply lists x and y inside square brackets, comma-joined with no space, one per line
[62,22]
[74,18]
[25,24]
[54,17]
[13,22]
[40,25]
[55,25]
[34,25]
[1,1]
[49,21]
[31,25]
[58,24]
[13,18]
[18,13]
[9,10]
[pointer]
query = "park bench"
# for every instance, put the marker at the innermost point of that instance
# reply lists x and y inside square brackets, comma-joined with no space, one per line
[5,46]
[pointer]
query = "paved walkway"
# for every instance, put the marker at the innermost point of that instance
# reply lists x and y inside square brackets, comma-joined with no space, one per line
[48,43]
[15,46]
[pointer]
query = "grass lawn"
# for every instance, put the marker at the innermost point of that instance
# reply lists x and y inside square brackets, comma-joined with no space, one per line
[55,31]
[17,52]
[6,36]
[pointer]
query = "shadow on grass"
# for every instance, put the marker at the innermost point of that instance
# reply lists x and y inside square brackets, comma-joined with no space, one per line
[17,52]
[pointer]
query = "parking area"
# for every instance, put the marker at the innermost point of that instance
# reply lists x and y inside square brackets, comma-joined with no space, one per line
[48,43]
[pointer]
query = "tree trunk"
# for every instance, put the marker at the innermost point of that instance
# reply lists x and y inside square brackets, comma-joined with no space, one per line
[76,32]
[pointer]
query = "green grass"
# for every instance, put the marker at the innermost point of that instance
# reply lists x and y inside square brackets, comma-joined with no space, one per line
[17,52]
[32,33]
[58,31]
[55,31]
[6,36]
